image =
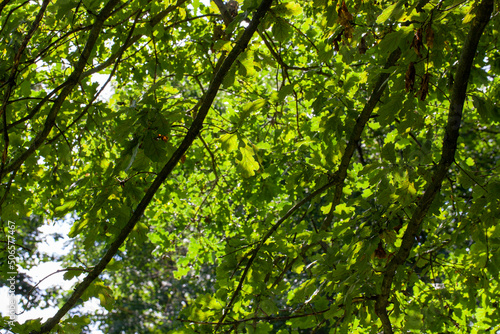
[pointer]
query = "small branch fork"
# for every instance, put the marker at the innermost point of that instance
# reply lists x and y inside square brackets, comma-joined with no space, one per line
[482,18]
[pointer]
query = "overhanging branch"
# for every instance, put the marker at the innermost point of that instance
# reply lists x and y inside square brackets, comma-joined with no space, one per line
[191,135]
[450,139]
[12,79]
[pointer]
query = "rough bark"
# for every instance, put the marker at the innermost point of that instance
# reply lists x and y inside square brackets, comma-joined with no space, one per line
[191,135]
[450,139]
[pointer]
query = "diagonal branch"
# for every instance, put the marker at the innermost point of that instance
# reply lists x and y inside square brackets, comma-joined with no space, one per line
[224,12]
[191,135]
[3,4]
[96,95]
[339,177]
[269,233]
[469,49]
[153,22]
[363,118]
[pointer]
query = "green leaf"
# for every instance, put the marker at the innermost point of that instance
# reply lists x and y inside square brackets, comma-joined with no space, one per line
[249,108]
[393,11]
[77,227]
[70,274]
[230,77]
[486,109]
[229,142]
[395,39]
[100,291]
[133,156]
[290,204]
[66,207]
[284,92]
[247,163]
[287,9]
[469,162]
[281,30]
[154,149]
[269,307]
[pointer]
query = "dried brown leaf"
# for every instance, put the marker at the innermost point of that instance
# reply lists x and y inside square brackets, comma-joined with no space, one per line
[232,7]
[344,18]
[424,87]
[362,46]
[410,77]
[380,251]
[429,36]
[417,42]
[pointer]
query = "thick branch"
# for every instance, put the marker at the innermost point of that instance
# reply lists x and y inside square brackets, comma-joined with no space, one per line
[224,12]
[3,4]
[484,11]
[167,169]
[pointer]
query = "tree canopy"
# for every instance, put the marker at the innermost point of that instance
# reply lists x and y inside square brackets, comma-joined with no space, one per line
[260,167]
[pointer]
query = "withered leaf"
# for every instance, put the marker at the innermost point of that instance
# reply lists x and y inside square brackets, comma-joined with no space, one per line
[232,7]
[417,42]
[218,33]
[336,41]
[345,17]
[410,77]
[429,36]
[362,46]
[348,32]
[424,87]
[336,46]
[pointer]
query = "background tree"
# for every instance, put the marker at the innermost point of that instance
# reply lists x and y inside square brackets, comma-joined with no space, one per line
[321,166]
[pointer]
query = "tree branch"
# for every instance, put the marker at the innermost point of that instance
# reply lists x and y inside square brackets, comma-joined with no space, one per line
[269,233]
[110,76]
[266,318]
[153,22]
[12,80]
[191,135]
[450,139]
[3,4]
[68,87]
[363,118]
[110,61]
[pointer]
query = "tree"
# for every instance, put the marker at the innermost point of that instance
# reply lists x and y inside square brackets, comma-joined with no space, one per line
[332,166]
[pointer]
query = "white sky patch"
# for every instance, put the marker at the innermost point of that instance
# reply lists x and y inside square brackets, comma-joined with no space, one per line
[50,246]
[108,90]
